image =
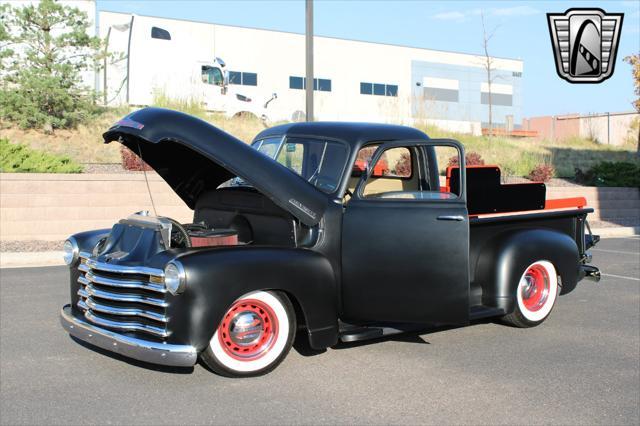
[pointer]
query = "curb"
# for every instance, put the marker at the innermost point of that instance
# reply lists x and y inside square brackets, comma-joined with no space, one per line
[30,259]
[618,231]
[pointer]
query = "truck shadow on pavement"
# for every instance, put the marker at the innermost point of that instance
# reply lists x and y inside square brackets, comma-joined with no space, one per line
[134,362]
[409,336]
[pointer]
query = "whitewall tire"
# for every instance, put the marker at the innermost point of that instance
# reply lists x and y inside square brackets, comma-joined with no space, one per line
[253,337]
[535,296]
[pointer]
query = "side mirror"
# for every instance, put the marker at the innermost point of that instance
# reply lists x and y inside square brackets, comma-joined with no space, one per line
[273,96]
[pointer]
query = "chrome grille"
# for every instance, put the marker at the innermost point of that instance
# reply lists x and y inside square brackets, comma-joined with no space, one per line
[122,298]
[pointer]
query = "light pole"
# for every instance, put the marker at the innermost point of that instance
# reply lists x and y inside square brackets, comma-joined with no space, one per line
[309,59]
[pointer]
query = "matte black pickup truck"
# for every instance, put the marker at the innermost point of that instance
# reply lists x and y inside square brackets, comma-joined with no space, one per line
[345,231]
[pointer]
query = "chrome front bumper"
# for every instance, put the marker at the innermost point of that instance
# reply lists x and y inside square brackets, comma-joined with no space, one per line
[143,350]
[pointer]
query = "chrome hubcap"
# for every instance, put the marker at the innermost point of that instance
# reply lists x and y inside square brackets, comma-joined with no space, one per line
[246,328]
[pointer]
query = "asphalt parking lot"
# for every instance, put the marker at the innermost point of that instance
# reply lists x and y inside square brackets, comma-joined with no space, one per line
[580,367]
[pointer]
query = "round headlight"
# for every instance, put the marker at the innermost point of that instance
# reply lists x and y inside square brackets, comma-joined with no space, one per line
[70,249]
[174,278]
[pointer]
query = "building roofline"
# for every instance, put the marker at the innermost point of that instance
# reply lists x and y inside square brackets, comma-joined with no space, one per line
[301,34]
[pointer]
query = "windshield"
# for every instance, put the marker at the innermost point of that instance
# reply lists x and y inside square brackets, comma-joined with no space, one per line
[319,162]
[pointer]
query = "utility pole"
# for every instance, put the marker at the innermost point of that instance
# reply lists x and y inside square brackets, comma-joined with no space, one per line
[309,59]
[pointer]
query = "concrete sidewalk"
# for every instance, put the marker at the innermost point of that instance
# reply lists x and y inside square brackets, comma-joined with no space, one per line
[30,259]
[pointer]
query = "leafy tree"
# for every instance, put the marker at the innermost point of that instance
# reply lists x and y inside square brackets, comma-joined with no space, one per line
[44,49]
[634,61]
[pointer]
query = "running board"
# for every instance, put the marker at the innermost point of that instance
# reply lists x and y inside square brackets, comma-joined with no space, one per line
[360,333]
[481,311]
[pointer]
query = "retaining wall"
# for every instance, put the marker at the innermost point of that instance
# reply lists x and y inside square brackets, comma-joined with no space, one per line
[53,206]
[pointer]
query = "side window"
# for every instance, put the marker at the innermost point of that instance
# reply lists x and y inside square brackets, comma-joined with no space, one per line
[160,34]
[414,173]
[395,163]
[212,75]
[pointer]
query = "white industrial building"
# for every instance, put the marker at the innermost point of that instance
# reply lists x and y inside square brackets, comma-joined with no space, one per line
[355,80]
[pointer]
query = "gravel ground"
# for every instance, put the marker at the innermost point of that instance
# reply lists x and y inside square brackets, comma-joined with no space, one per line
[555,182]
[104,168]
[30,246]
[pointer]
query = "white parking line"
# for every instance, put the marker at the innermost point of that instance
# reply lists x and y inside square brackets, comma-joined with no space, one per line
[616,251]
[632,237]
[621,276]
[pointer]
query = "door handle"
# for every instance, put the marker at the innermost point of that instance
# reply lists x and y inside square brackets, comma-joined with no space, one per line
[453,218]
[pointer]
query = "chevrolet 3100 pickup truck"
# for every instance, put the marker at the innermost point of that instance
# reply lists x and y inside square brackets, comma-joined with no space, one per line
[346,231]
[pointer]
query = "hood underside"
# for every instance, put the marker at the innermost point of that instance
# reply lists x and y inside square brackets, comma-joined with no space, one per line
[193,156]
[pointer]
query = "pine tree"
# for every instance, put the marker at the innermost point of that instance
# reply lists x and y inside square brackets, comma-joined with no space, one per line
[44,49]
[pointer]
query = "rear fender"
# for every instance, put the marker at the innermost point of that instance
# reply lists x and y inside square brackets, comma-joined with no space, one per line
[216,277]
[504,259]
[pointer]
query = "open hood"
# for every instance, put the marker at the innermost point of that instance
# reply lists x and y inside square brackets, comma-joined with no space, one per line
[193,156]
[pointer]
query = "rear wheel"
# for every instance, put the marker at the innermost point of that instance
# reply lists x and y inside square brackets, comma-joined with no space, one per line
[254,336]
[535,295]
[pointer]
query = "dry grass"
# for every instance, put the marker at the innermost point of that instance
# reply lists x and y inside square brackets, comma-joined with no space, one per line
[85,144]
[518,156]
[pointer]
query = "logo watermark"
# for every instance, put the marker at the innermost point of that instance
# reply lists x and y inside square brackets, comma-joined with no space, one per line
[585,43]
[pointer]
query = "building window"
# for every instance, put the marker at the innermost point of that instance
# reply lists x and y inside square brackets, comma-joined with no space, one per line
[496,99]
[378,89]
[392,90]
[243,78]
[160,34]
[441,89]
[322,84]
[501,94]
[319,84]
[296,82]
[442,95]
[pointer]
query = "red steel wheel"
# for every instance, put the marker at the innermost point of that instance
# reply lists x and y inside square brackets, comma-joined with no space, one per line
[535,289]
[248,330]
[253,337]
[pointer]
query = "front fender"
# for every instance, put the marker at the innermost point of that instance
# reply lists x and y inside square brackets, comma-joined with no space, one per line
[87,240]
[216,277]
[504,258]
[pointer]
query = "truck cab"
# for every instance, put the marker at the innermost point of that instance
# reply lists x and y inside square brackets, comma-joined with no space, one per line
[344,231]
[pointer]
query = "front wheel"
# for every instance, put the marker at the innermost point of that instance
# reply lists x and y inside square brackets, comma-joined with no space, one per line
[253,337]
[535,295]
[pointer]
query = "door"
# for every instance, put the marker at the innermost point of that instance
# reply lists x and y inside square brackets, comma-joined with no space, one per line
[212,87]
[405,240]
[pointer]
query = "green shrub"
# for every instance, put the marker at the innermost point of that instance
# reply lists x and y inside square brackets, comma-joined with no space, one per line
[611,174]
[20,158]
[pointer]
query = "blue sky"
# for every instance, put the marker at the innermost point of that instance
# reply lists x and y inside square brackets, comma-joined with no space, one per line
[521,32]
